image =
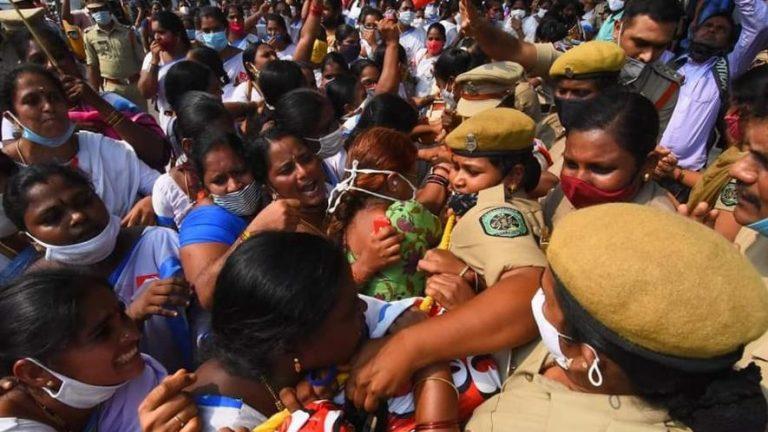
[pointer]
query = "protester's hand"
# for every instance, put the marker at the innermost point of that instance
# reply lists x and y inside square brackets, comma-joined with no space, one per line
[701,213]
[369,35]
[155,49]
[449,290]
[438,261]
[450,120]
[77,90]
[406,319]
[142,214]
[516,24]
[161,297]
[279,215]
[666,163]
[7,384]
[469,16]
[381,251]
[167,408]
[296,398]
[384,375]
[390,34]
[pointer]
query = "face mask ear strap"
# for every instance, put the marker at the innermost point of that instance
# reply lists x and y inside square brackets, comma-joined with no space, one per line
[595,375]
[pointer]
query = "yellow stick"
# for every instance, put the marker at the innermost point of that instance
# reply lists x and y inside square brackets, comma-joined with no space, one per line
[445,243]
[33,32]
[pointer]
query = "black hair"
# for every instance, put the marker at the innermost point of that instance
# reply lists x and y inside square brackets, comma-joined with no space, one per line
[7,166]
[53,42]
[728,16]
[197,111]
[249,56]
[334,57]
[208,141]
[343,31]
[341,91]
[751,90]
[281,23]
[237,8]
[41,313]
[10,83]
[257,151]
[15,199]
[439,27]
[213,12]
[336,18]
[173,23]
[530,164]
[183,77]
[209,57]
[300,111]
[386,110]
[358,66]
[452,63]
[378,55]
[721,401]
[559,6]
[279,77]
[662,11]
[369,10]
[264,303]
[629,118]
[551,30]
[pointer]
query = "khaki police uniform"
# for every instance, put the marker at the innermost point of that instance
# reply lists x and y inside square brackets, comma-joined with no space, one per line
[595,263]
[484,87]
[556,205]
[118,56]
[586,61]
[657,82]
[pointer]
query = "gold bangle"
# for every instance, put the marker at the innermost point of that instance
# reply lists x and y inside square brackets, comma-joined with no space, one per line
[464,271]
[443,380]
[245,235]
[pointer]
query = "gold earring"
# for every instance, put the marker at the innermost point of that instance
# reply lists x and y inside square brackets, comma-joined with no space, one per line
[296,365]
[50,384]
[646,177]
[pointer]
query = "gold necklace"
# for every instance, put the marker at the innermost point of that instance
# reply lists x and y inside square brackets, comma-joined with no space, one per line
[60,422]
[18,151]
[312,227]
[278,404]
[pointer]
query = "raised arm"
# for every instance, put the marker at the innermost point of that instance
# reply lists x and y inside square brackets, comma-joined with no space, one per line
[66,11]
[495,42]
[253,19]
[148,78]
[753,37]
[389,80]
[309,32]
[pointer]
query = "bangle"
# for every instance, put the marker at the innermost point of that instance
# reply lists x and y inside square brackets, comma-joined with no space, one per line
[115,118]
[445,424]
[245,235]
[464,271]
[438,179]
[442,380]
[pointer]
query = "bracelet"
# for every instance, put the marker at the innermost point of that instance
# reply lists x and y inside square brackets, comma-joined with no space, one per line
[115,118]
[464,271]
[443,380]
[245,235]
[438,179]
[445,424]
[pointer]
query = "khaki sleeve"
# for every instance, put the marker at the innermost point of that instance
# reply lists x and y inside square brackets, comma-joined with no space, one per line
[546,54]
[90,52]
[512,254]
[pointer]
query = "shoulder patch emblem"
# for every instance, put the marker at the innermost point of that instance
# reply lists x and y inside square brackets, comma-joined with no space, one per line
[504,222]
[728,195]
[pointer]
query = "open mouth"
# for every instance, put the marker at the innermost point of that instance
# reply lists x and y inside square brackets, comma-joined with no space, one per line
[310,189]
[128,357]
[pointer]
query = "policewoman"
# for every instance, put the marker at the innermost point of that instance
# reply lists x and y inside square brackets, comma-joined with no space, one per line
[609,157]
[580,74]
[614,355]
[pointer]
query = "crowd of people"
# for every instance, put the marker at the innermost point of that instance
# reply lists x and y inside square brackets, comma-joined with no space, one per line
[384,215]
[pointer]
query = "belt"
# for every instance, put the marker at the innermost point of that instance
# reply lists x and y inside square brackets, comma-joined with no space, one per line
[124,81]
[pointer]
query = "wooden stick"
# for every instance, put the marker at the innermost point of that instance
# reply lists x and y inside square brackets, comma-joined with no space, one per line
[38,41]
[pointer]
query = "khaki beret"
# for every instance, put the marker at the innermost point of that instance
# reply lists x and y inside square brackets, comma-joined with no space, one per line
[494,131]
[659,280]
[94,4]
[11,18]
[485,86]
[589,59]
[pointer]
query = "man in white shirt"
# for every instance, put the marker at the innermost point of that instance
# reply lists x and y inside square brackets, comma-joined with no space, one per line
[707,70]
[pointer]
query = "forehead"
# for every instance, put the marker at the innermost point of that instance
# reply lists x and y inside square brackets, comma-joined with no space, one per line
[757,136]
[40,194]
[32,82]
[478,162]
[209,21]
[644,27]
[219,156]
[285,148]
[592,146]
[575,84]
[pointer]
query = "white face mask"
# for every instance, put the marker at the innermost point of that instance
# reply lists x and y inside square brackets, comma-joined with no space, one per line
[551,338]
[450,101]
[615,5]
[348,184]
[541,13]
[330,144]
[184,10]
[88,252]
[78,394]
[6,226]
[518,14]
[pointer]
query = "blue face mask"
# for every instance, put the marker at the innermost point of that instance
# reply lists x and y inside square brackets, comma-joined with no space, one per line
[217,40]
[102,17]
[760,226]
[191,34]
[30,135]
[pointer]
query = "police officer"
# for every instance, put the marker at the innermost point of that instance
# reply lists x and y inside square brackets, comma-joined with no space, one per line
[646,29]
[113,54]
[578,75]
[623,349]
[492,85]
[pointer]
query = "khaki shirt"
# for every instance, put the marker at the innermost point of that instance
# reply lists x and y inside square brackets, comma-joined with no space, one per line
[499,234]
[530,402]
[527,101]
[552,133]
[116,52]
[755,248]
[657,82]
[556,205]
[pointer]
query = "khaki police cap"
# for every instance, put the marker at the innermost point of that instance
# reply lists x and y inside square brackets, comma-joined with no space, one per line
[589,59]
[659,280]
[494,131]
[11,19]
[485,86]
[94,4]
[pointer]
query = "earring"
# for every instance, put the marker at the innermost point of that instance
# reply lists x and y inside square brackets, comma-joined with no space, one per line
[50,384]
[296,365]
[646,177]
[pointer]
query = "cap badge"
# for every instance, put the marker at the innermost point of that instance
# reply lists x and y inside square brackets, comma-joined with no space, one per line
[471,142]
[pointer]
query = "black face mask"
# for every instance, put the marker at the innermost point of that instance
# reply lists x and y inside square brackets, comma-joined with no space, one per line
[567,109]
[700,51]
[461,203]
